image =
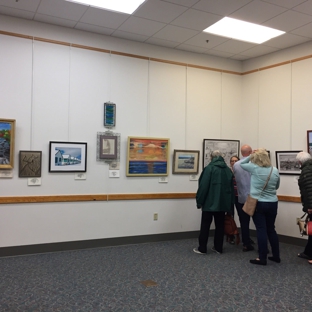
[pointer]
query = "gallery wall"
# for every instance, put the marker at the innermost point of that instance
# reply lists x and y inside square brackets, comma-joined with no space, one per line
[56,93]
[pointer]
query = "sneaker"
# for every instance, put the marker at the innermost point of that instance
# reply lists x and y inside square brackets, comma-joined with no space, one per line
[198,252]
[216,251]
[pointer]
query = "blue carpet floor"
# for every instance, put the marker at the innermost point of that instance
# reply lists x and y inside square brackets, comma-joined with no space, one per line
[109,279]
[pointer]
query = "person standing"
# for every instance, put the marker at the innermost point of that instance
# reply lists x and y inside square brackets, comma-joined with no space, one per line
[242,179]
[305,186]
[265,180]
[215,196]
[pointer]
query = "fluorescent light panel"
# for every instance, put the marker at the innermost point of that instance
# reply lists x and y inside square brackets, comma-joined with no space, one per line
[240,30]
[123,6]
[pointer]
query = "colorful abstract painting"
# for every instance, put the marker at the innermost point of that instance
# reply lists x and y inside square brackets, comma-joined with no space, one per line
[147,156]
[109,114]
[7,129]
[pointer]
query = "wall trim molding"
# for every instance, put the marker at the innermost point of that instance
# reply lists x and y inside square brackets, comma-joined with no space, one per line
[111,197]
[79,46]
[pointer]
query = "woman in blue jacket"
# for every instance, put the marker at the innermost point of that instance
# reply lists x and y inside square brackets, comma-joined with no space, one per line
[259,166]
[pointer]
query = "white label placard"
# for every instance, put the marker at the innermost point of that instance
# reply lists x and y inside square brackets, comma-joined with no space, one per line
[193,177]
[163,180]
[6,173]
[114,173]
[80,176]
[34,181]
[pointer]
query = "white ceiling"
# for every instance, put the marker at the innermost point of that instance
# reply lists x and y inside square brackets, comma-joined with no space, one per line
[178,24]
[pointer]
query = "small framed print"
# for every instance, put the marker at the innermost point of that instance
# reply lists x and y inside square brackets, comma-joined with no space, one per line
[286,162]
[29,164]
[7,136]
[109,115]
[108,147]
[185,162]
[309,141]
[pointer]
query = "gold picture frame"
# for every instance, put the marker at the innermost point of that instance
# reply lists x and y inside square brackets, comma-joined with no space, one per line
[7,140]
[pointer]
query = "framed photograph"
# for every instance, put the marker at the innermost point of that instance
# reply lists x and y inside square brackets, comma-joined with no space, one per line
[185,162]
[309,141]
[286,162]
[7,135]
[229,148]
[67,157]
[29,164]
[109,114]
[147,156]
[108,147]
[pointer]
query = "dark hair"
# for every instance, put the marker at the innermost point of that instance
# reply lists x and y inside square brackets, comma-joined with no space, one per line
[235,157]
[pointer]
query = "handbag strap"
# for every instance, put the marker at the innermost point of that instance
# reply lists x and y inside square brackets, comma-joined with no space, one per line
[266,183]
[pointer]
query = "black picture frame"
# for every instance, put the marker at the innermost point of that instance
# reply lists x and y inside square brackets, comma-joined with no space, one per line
[286,162]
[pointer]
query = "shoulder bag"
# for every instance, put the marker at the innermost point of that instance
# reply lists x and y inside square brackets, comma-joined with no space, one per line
[305,225]
[251,203]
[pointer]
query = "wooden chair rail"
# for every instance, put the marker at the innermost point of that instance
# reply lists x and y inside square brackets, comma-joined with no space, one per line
[110,197]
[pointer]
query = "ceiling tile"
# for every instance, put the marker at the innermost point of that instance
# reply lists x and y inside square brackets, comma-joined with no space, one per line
[257,12]
[305,31]
[141,26]
[27,5]
[239,57]
[161,42]
[305,7]
[200,40]
[288,21]
[286,41]
[187,3]
[160,11]
[195,19]
[103,18]
[221,7]
[54,20]
[129,36]
[285,3]
[258,50]
[190,48]
[218,53]
[16,13]
[234,46]
[94,29]
[62,9]
[175,33]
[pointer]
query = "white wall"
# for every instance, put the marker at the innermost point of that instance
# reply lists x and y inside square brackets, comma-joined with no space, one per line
[57,92]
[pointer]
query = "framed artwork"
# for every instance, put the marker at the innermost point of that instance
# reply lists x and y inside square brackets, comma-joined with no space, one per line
[286,162]
[109,114]
[309,141]
[29,164]
[67,157]
[229,148]
[185,162]
[108,147]
[147,156]
[7,135]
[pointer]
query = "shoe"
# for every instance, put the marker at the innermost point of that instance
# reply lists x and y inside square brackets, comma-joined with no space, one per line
[277,260]
[310,261]
[248,248]
[216,251]
[232,242]
[304,256]
[198,252]
[257,261]
[251,242]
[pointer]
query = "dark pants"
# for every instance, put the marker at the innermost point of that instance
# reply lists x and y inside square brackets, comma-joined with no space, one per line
[205,227]
[244,220]
[232,207]
[308,247]
[264,220]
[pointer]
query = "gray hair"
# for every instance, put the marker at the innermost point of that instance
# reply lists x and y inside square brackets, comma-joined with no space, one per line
[216,153]
[303,157]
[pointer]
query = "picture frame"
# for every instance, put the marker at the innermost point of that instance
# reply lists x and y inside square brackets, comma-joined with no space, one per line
[229,148]
[185,162]
[309,141]
[147,156]
[67,156]
[30,164]
[109,114]
[7,141]
[108,147]
[286,162]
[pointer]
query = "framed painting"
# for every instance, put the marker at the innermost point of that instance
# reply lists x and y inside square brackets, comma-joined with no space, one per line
[147,156]
[309,141]
[29,164]
[229,148]
[67,157]
[185,162]
[108,147]
[109,115]
[7,135]
[286,162]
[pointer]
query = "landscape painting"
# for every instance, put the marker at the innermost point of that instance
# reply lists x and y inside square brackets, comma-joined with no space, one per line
[7,134]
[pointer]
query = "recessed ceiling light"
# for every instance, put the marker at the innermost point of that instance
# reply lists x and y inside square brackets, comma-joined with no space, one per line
[123,6]
[245,31]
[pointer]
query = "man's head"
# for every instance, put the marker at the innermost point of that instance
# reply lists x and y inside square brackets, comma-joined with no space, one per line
[302,157]
[215,153]
[246,150]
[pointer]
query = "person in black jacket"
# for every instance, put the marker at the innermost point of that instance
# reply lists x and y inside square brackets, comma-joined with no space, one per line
[305,186]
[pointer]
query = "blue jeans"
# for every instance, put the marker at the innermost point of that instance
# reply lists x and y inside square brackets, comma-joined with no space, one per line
[244,220]
[264,220]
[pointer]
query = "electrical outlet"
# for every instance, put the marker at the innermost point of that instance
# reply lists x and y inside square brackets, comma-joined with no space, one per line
[155,216]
